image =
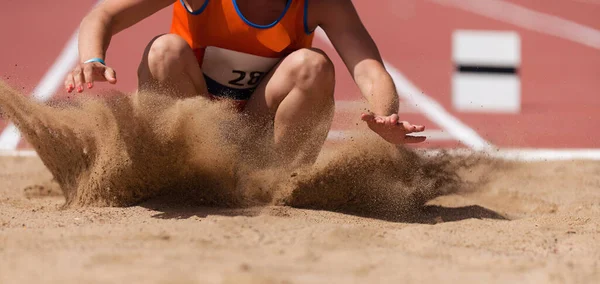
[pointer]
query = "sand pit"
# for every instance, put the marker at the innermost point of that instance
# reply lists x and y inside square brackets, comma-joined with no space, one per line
[130,191]
[531,223]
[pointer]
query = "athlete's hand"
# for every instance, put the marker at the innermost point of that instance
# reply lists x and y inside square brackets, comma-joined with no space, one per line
[88,73]
[392,130]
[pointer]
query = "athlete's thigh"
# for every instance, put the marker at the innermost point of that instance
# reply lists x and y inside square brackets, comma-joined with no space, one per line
[271,90]
[280,81]
[170,56]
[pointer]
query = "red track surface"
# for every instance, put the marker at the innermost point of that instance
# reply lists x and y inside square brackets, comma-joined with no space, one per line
[559,78]
[584,12]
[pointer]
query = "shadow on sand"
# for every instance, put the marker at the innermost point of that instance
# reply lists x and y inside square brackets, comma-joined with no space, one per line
[428,214]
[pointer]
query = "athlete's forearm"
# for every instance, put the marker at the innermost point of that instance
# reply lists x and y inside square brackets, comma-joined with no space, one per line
[95,33]
[377,87]
[109,18]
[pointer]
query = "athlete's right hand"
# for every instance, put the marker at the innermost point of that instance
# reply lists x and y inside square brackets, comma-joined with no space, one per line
[87,74]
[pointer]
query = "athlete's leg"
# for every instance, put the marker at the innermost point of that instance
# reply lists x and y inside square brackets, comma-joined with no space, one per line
[297,97]
[169,66]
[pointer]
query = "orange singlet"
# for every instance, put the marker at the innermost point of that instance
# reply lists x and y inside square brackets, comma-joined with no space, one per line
[235,54]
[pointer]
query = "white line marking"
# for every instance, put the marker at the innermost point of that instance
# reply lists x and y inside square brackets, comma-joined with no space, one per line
[56,74]
[18,153]
[548,154]
[10,137]
[436,112]
[429,107]
[436,135]
[52,80]
[529,19]
[529,155]
[592,2]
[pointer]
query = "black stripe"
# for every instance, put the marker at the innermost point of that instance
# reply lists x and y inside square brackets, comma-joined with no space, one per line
[486,69]
[218,90]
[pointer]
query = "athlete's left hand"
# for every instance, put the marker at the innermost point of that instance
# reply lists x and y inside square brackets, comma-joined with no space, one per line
[392,130]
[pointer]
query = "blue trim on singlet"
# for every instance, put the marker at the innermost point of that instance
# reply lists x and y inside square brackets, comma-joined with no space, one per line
[306,30]
[237,9]
[197,12]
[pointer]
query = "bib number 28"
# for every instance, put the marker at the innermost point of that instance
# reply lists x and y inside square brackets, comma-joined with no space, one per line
[252,78]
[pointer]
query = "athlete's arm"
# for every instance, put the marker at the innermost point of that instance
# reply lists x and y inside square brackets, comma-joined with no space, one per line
[96,30]
[361,56]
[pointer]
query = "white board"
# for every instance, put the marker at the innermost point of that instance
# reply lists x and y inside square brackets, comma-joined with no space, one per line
[498,89]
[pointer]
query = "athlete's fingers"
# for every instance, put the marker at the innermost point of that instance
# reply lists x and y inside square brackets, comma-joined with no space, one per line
[367,117]
[88,75]
[69,84]
[414,139]
[78,78]
[110,75]
[394,119]
[384,120]
[411,128]
[391,120]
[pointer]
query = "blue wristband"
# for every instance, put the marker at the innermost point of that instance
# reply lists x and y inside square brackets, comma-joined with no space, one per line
[96,59]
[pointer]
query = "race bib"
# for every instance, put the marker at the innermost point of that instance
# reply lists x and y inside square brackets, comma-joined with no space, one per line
[235,69]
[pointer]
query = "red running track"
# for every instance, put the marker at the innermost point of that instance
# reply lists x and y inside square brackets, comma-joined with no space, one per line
[558,77]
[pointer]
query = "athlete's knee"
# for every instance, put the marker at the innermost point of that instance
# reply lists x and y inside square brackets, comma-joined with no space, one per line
[312,68]
[166,51]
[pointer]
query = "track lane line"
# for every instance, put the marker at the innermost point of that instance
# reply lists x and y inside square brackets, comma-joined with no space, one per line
[47,87]
[429,107]
[528,19]
[435,112]
[52,80]
[529,154]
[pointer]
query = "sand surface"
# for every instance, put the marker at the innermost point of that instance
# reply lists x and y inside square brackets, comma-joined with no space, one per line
[148,189]
[529,223]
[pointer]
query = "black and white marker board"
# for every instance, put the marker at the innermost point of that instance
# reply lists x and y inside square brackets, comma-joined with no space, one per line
[486,76]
